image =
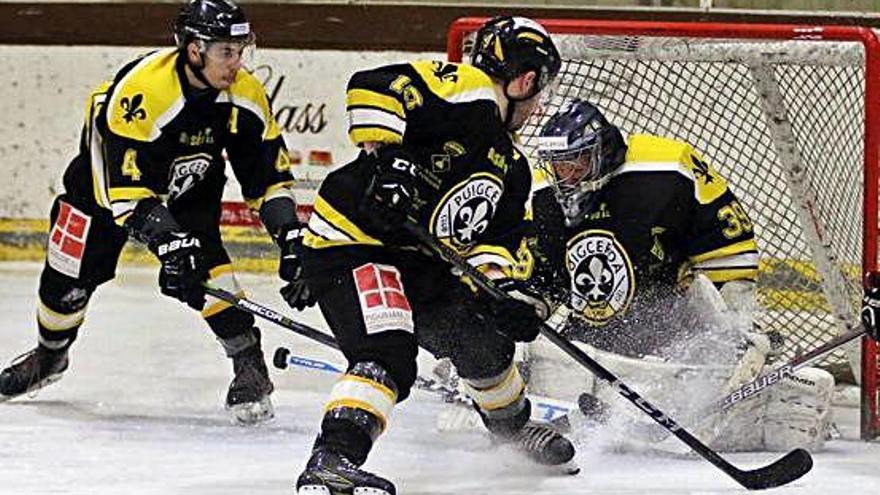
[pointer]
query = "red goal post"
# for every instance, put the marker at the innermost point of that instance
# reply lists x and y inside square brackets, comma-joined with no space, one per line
[806,168]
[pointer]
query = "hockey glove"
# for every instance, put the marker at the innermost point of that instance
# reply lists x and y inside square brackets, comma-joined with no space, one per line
[393,191]
[871,304]
[183,267]
[296,293]
[521,314]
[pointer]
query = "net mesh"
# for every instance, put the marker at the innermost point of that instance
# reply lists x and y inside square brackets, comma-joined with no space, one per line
[703,91]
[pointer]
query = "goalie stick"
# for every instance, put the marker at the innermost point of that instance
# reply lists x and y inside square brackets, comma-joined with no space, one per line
[790,467]
[447,393]
[761,383]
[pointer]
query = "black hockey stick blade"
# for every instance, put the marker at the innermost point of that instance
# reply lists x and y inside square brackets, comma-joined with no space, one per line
[788,468]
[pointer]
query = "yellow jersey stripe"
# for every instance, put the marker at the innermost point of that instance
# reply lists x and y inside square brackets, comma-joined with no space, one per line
[729,250]
[129,193]
[357,97]
[339,222]
[375,134]
[725,275]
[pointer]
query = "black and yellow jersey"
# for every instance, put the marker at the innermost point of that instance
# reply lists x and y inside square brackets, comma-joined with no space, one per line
[147,133]
[664,213]
[475,184]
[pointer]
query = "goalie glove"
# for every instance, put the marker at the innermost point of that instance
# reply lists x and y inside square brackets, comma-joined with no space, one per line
[871,304]
[521,314]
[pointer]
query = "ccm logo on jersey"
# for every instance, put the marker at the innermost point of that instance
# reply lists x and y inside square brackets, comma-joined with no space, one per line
[383,302]
[602,281]
[186,172]
[464,213]
[67,240]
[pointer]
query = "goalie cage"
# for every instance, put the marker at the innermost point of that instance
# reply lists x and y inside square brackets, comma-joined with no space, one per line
[790,115]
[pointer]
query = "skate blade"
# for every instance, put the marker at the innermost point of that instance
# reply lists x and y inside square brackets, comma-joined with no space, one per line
[570,468]
[32,390]
[323,490]
[252,413]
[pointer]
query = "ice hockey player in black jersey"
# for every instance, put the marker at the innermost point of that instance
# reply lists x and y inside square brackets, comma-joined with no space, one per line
[151,167]
[437,150]
[654,254]
[871,305]
[621,220]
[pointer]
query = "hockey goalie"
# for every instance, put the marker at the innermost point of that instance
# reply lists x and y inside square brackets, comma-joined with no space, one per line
[657,260]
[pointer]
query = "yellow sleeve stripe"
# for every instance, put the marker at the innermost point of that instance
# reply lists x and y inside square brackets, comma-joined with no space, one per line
[315,241]
[129,193]
[374,134]
[484,255]
[120,220]
[726,275]
[337,221]
[255,203]
[729,250]
[366,98]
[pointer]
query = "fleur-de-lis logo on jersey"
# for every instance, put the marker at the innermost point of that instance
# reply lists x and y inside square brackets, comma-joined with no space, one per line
[601,276]
[594,279]
[133,108]
[467,210]
[445,72]
[701,170]
[473,218]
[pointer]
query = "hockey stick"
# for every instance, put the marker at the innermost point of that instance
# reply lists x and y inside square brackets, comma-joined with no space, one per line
[429,384]
[790,467]
[547,409]
[761,383]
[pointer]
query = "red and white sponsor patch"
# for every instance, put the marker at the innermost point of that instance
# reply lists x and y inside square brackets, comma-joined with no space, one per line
[67,240]
[383,300]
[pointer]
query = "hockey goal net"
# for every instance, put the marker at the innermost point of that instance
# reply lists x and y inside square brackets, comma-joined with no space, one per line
[790,115]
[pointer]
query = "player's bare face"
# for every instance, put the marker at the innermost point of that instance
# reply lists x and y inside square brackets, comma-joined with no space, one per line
[223,60]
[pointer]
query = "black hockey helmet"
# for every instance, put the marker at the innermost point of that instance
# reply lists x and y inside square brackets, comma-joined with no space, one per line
[211,20]
[578,149]
[506,47]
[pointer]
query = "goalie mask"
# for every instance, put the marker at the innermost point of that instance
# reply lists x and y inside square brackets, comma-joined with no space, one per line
[578,150]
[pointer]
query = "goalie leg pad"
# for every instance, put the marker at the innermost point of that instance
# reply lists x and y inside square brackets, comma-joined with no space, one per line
[799,411]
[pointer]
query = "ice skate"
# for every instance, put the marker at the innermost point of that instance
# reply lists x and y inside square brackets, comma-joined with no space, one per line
[32,371]
[329,473]
[248,397]
[545,446]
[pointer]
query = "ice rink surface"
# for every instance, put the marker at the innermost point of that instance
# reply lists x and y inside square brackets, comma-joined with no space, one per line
[140,412]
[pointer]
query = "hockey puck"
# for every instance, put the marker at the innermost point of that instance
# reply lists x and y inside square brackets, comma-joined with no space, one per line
[591,406]
[279,360]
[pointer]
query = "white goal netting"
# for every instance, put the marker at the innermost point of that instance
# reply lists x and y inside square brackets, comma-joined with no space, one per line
[784,122]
